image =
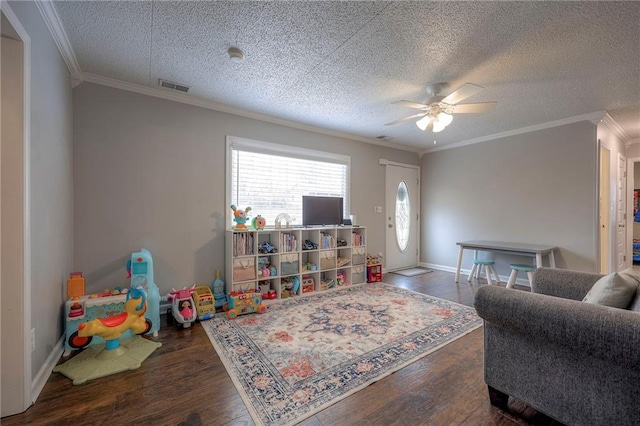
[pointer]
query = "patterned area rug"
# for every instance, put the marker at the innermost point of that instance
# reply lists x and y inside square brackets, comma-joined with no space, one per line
[309,352]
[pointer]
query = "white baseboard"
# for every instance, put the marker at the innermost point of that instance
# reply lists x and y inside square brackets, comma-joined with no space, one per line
[46,370]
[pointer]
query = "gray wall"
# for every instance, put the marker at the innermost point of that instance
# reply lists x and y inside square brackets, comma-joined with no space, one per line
[151,173]
[51,183]
[538,188]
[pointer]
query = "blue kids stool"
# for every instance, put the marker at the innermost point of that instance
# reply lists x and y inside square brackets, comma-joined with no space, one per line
[520,267]
[488,269]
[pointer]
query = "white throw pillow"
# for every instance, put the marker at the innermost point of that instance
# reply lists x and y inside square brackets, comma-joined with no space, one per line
[616,290]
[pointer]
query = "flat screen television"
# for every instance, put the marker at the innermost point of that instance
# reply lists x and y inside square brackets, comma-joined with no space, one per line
[321,210]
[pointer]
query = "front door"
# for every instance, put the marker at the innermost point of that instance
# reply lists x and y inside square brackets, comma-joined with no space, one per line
[402,216]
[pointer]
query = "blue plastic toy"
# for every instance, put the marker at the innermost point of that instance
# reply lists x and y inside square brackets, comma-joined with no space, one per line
[218,291]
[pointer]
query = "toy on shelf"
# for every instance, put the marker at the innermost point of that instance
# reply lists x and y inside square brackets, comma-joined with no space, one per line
[266,247]
[327,283]
[115,356]
[81,308]
[244,302]
[374,259]
[76,285]
[283,220]
[266,291]
[183,306]
[341,279]
[308,284]
[204,298]
[264,287]
[218,291]
[259,222]
[291,286]
[240,217]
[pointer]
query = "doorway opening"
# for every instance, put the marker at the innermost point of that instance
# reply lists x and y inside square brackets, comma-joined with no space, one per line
[16,391]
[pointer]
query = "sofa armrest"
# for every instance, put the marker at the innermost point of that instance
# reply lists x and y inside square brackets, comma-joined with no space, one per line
[563,283]
[600,331]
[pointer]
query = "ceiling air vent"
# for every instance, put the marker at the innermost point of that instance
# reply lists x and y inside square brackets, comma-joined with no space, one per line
[174,86]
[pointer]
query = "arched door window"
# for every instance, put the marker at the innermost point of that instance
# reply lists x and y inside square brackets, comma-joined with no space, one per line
[403,213]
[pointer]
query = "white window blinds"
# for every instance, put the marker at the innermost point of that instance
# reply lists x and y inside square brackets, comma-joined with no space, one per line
[273,181]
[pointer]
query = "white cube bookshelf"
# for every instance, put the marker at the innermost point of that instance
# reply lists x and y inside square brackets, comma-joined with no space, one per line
[334,258]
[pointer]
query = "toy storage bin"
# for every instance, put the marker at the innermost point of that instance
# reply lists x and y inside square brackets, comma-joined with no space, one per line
[327,259]
[244,269]
[359,255]
[289,264]
[357,274]
[374,273]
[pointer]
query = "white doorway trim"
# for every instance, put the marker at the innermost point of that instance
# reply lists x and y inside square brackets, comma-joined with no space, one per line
[26,302]
[385,162]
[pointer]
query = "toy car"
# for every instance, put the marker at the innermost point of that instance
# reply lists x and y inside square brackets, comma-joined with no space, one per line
[244,302]
[203,298]
[182,307]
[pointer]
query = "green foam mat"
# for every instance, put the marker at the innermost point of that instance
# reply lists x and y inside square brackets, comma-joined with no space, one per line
[96,361]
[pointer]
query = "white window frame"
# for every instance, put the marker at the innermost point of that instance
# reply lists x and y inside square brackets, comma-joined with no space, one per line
[292,151]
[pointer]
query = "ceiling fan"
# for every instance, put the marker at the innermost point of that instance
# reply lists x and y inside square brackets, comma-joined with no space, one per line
[436,112]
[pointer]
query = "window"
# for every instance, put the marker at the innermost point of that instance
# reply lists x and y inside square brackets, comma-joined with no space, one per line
[403,213]
[272,178]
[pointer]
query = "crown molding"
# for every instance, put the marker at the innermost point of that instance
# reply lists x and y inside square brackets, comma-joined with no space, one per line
[594,117]
[612,125]
[51,18]
[202,103]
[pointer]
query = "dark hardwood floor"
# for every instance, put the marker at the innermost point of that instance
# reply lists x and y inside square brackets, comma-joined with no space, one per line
[184,383]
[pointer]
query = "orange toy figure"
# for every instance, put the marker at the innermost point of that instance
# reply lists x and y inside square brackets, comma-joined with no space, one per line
[111,328]
[240,217]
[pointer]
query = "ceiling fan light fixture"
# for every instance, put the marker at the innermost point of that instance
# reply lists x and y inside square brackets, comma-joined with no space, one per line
[423,123]
[441,121]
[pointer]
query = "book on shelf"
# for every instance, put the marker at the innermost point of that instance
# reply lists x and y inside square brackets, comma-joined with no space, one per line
[358,239]
[243,244]
[288,242]
[327,241]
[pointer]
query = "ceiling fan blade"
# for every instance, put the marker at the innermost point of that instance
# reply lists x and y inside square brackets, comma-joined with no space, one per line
[462,93]
[474,108]
[410,104]
[422,114]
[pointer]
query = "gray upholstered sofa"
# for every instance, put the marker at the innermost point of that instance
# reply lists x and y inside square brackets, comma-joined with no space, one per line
[576,362]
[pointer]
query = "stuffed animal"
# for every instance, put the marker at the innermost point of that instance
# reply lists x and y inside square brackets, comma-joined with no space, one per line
[259,222]
[240,217]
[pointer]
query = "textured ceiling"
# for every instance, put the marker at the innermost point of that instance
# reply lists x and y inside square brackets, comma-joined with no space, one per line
[340,65]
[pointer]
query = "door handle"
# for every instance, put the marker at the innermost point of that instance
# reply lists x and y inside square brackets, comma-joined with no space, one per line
[390,226]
